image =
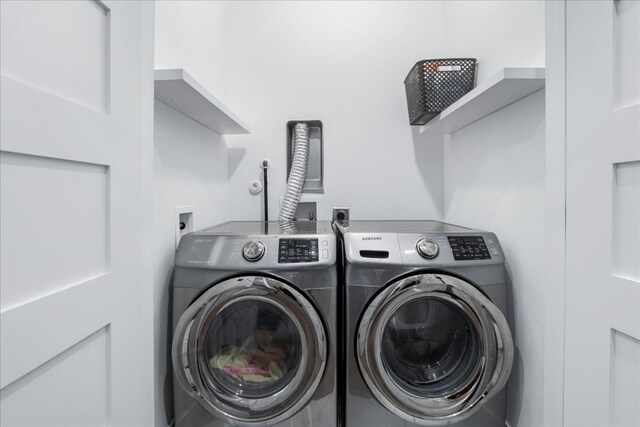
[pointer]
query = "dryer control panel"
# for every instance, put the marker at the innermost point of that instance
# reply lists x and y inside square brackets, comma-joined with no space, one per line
[468,248]
[297,250]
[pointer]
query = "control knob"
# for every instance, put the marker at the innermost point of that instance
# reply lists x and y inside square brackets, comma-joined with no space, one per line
[427,248]
[254,250]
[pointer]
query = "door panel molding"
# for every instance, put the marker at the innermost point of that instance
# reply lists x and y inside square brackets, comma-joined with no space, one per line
[70,314]
[36,117]
[555,163]
[84,368]
[36,52]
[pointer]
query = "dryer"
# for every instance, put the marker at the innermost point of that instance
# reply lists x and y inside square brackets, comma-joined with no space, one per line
[427,341]
[254,317]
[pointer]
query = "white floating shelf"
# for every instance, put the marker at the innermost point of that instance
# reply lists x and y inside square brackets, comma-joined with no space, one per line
[179,90]
[502,89]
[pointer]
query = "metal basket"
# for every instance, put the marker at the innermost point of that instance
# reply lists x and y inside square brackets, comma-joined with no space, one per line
[434,84]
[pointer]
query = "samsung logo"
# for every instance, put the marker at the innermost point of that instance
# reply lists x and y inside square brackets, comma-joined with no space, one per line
[372,238]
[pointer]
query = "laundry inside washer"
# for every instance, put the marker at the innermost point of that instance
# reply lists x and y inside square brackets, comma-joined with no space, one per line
[255,343]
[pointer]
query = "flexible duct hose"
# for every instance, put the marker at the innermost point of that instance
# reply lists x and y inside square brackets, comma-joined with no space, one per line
[297,175]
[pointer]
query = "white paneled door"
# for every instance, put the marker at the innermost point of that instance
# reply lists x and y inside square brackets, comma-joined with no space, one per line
[602,364]
[75,306]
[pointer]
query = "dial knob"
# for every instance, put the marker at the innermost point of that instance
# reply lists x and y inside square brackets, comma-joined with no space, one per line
[427,248]
[253,250]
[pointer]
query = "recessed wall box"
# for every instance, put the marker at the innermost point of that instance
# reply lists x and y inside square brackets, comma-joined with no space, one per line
[314,180]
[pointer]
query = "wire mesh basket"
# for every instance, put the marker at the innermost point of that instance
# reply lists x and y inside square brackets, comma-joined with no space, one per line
[434,84]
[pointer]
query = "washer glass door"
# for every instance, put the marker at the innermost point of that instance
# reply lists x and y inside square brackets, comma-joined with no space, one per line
[251,350]
[252,347]
[432,347]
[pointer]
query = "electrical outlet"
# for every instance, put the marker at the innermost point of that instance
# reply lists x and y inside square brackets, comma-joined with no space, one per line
[340,214]
[183,221]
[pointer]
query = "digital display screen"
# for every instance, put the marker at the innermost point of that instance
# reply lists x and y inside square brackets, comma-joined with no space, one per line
[297,250]
[467,248]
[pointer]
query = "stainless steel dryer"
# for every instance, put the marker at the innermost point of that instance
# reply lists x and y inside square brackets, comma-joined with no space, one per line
[427,341]
[254,315]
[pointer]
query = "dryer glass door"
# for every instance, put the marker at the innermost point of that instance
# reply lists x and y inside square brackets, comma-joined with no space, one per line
[250,350]
[431,347]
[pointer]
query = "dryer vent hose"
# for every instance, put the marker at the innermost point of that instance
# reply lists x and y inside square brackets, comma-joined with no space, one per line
[300,149]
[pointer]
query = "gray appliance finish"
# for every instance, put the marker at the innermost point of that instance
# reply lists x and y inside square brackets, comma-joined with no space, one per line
[254,318]
[427,341]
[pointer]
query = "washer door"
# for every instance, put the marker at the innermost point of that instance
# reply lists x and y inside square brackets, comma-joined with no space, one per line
[432,348]
[251,350]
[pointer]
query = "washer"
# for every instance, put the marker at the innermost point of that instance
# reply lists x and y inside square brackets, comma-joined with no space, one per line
[427,342]
[254,317]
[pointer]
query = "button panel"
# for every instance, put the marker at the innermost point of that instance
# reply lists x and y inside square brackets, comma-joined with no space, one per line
[465,248]
[297,250]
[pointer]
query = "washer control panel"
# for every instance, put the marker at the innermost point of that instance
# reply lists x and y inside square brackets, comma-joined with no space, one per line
[297,250]
[466,248]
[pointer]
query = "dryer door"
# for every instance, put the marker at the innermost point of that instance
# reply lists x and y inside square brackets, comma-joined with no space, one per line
[250,350]
[432,348]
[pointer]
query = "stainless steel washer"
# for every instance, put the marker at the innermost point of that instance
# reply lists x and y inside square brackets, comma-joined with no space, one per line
[254,316]
[427,342]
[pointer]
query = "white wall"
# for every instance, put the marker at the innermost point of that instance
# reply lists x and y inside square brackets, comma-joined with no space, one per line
[193,35]
[190,161]
[342,63]
[498,33]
